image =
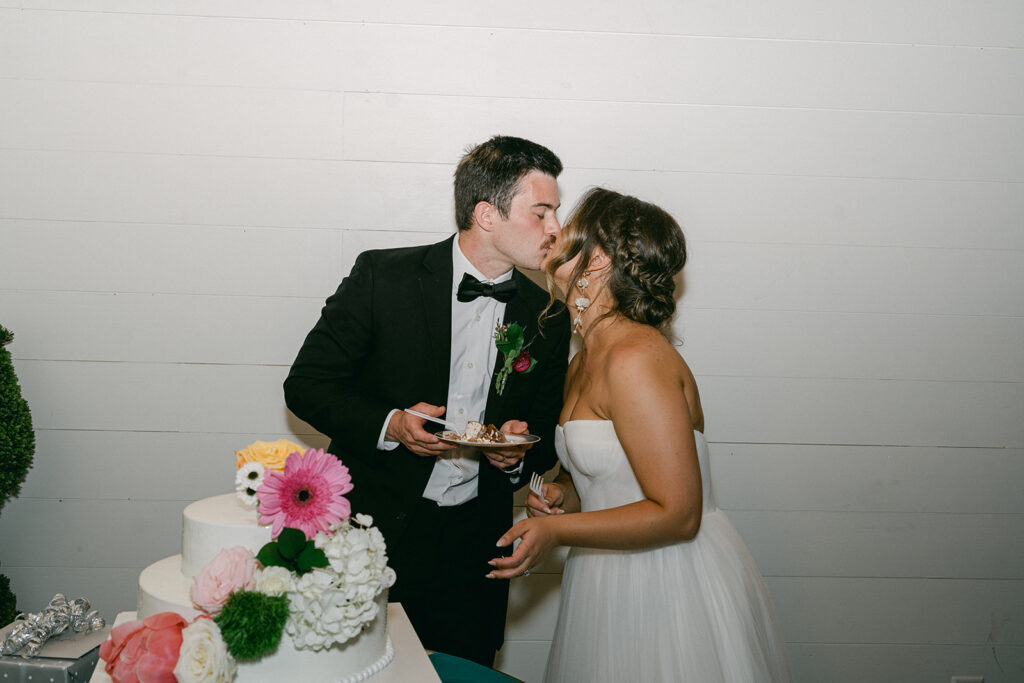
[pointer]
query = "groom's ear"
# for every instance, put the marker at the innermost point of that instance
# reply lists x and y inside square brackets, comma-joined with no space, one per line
[483,215]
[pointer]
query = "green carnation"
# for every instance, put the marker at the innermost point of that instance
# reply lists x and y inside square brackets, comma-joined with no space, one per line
[252,623]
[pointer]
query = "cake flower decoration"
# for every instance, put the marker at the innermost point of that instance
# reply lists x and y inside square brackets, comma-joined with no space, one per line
[271,454]
[308,495]
[248,480]
[509,340]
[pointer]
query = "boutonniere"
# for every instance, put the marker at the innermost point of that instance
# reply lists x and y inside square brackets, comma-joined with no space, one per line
[509,340]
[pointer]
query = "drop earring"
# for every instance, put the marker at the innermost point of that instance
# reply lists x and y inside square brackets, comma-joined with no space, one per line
[582,302]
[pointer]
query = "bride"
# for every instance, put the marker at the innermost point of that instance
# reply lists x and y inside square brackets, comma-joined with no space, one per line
[658,585]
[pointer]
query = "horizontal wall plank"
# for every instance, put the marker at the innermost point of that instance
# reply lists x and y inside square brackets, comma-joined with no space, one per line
[161,328]
[157,397]
[108,465]
[524,659]
[162,190]
[75,532]
[266,262]
[93,534]
[832,344]
[132,258]
[883,545]
[249,399]
[843,663]
[952,22]
[108,589]
[251,192]
[917,611]
[852,279]
[241,329]
[211,104]
[761,209]
[424,128]
[117,117]
[867,478]
[862,412]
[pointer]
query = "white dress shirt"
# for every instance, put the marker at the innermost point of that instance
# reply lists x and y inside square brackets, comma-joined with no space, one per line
[454,478]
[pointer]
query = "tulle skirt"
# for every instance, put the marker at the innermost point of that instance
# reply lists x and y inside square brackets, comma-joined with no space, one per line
[692,611]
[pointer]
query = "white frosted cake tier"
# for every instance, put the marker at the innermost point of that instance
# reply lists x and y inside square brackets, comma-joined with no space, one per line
[213,524]
[209,526]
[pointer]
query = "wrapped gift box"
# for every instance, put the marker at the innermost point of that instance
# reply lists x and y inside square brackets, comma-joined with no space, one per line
[68,658]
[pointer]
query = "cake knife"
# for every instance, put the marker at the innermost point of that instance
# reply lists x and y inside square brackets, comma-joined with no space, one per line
[450,425]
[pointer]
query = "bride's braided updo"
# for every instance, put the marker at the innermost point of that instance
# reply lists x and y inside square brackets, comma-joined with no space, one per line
[644,243]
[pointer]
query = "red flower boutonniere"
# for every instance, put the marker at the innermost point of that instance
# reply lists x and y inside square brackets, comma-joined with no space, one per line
[509,340]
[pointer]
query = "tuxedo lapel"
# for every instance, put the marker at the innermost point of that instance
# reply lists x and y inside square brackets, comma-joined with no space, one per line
[522,309]
[435,281]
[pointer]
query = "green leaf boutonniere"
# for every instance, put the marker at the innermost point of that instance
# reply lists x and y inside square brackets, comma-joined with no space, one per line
[509,340]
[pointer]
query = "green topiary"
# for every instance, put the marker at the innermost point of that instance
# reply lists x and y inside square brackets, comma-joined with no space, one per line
[7,608]
[17,444]
[17,440]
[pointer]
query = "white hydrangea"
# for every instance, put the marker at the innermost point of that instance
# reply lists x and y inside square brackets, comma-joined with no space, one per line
[333,604]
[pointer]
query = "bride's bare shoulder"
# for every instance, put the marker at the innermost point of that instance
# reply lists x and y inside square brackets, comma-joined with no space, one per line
[643,361]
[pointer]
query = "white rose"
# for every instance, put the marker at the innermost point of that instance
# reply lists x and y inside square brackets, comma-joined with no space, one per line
[273,581]
[204,657]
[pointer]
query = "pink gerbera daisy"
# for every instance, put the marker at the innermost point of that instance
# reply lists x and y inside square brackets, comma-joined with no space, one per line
[307,496]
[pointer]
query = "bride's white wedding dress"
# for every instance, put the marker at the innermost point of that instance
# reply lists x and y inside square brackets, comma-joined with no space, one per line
[689,611]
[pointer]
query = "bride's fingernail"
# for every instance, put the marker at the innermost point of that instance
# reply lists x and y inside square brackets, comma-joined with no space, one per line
[491,562]
[489,576]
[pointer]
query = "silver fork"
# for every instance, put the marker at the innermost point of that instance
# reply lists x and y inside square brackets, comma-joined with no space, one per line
[537,485]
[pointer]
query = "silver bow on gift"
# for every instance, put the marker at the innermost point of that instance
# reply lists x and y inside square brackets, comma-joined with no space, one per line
[31,631]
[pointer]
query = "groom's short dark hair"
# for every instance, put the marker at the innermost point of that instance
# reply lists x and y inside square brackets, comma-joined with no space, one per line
[491,172]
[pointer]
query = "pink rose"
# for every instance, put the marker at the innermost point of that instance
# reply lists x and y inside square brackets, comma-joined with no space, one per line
[144,651]
[233,569]
[522,362]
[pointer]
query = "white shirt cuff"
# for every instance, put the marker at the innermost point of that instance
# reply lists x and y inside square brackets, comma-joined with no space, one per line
[382,443]
[517,470]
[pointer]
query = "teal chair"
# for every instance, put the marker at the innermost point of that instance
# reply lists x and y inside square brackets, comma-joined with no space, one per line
[452,669]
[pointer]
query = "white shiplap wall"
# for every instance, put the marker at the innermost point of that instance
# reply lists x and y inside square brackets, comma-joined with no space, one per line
[182,183]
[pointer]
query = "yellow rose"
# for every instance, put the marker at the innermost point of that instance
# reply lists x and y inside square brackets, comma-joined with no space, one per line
[269,454]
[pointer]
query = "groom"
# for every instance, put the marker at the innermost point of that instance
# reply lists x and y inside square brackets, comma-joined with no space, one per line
[413,328]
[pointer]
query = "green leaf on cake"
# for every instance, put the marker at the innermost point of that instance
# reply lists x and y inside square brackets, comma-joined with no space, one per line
[270,556]
[309,558]
[291,542]
[292,551]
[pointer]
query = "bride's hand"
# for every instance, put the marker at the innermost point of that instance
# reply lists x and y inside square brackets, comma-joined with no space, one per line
[554,496]
[537,538]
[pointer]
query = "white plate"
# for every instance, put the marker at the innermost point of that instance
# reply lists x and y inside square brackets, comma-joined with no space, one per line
[513,440]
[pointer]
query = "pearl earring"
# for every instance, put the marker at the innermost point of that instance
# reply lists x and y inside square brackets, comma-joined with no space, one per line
[582,302]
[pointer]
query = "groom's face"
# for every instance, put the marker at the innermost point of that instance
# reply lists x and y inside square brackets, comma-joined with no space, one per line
[528,234]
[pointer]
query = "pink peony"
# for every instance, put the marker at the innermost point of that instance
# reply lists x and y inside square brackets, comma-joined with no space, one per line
[232,569]
[144,651]
[308,495]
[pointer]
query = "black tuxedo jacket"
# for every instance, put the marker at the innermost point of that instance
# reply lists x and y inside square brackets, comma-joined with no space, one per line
[383,341]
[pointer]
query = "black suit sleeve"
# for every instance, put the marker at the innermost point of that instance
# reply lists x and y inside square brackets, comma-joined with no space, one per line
[546,405]
[323,387]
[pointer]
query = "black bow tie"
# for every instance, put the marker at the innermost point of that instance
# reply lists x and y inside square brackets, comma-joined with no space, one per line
[470,288]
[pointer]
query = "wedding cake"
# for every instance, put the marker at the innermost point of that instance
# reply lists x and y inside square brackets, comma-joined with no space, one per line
[276,582]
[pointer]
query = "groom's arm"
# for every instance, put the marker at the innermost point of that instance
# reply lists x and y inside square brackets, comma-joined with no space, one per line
[545,405]
[322,386]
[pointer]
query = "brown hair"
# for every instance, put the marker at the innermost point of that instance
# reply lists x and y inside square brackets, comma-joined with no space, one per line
[644,243]
[490,172]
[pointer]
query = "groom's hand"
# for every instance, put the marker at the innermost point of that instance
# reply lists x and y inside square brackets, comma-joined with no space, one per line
[408,429]
[509,457]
